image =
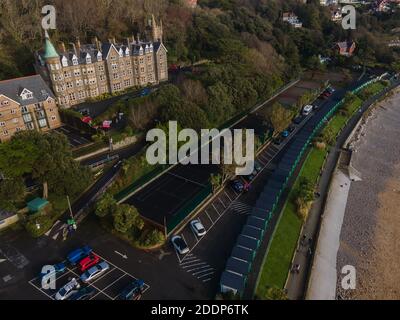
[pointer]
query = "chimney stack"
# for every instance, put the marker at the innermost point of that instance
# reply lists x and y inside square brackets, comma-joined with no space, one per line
[96,42]
[128,41]
[62,47]
[78,45]
[115,42]
[110,41]
[74,48]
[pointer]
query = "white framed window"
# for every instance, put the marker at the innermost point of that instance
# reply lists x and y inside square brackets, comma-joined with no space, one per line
[53,118]
[13,111]
[42,123]
[2,124]
[18,129]
[5,132]
[5,103]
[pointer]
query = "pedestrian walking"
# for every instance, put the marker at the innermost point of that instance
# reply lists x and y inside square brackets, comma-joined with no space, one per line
[303,239]
[310,252]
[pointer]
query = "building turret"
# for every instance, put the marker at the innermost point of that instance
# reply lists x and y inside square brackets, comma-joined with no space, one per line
[49,50]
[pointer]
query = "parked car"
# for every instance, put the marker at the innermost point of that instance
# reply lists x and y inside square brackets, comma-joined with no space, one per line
[285,134]
[145,92]
[257,166]
[330,90]
[58,268]
[95,272]
[277,141]
[291,128]
[198,228]
[77,255]
[180,244]
[307,109]
[83,294]
[237,185]
[133,291]
[68,290]
[88,262]
[298,120]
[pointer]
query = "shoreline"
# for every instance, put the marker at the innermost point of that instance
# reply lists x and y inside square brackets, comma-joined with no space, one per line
[371,224]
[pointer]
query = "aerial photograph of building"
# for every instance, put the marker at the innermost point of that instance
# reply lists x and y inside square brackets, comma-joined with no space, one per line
[214,151]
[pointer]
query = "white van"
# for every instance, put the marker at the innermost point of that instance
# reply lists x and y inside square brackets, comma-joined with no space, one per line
[307,110]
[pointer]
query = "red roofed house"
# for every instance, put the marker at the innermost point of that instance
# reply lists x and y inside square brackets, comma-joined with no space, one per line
[346,48]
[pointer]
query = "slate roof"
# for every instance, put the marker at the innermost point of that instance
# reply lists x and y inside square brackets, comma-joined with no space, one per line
[13,88]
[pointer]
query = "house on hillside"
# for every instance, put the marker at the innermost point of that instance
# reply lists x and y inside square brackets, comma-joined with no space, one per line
[346,48]
[292,19]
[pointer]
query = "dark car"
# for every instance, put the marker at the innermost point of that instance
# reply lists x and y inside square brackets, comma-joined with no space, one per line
[83,294]
[291,128]
[279,140]
[237,185]
[298,120]
[132,292]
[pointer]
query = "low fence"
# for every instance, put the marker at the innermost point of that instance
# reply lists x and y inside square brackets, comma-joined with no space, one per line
[183,213]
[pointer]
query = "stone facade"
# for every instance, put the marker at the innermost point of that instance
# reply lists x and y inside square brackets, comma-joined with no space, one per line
[91,70]
[26,104]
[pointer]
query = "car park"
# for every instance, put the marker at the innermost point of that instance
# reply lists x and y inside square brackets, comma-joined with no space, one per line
[95,272]
[198,228]
[237,185]
[180,244]
[57,269]
[133,291]
[83,294]
[307,109]
[77,255]
[68,290]
[88,262]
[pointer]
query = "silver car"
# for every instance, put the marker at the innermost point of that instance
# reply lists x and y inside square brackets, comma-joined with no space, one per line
[95,272]
[67,290]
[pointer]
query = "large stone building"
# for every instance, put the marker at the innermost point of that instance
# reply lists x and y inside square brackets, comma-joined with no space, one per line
[90,70]
[26,104]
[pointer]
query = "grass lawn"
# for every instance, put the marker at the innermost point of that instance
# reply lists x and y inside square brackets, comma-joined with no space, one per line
[277,263]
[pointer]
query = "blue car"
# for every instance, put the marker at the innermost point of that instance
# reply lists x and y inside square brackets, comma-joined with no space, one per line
[58,268]
[237,185]
[285,134]
[77,255]
[133,291]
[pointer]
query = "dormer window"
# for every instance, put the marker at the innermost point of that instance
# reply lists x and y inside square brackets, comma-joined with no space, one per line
[74,60]
[99,56]
[151,47]
[64,61]
[121,53]
[141,50]
[88,59]
[127,52]
[147,48]
[26,94]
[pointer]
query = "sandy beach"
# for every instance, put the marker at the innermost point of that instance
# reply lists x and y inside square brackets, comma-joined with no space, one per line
[370,235]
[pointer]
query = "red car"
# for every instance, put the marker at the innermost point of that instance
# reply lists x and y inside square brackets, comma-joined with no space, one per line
[88,262]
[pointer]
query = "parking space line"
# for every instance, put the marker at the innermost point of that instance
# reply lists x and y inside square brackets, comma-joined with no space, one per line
[188,262]
[205,275]
[193,265]
[223,204]
[215,209]
[202,271]
[206,280]
[115,281]
[228,196]
[209,216]
[40,289]
[199,268]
